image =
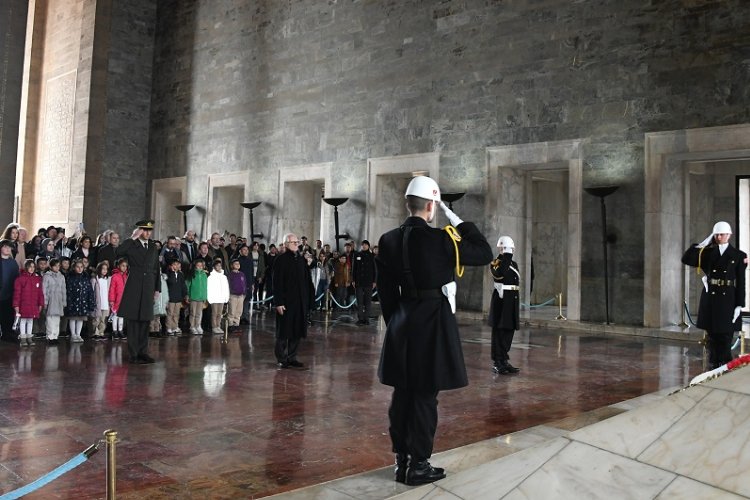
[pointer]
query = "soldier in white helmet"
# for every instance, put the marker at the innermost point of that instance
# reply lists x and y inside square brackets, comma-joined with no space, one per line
[422,349]
[723,294]
[505,305]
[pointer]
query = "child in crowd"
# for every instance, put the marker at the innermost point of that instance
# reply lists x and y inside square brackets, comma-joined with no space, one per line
[81,300]
[218,295]
[116,288]
[65,266]
[237,287]
[160,306]
[197,293]
[100,283]
[28,300]
[178,293]
[55,298]
[341,281]
[42,266]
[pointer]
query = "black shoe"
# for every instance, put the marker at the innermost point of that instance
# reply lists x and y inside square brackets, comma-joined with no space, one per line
[500,369]
[360,322]
[402,463]
[295,364]
[282,365]
[511,368]
[146,359]
[135,361]
[423,473]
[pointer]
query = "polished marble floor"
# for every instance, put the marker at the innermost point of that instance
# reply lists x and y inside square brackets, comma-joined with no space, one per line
[216,419]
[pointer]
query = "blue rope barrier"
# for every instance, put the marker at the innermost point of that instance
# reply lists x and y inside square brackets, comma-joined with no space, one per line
[354,301]
[545,303]
[261,301]
[52,475]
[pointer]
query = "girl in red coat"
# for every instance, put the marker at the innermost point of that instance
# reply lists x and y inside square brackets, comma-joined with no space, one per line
[28,300]
[116,287]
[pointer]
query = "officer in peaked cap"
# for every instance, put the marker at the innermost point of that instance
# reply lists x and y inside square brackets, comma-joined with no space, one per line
[137,306]
[422,350]
[723,294]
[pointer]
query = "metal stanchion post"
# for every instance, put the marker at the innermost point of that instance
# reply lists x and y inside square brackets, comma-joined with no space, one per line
[110,437]
[559,305]
[683,324]
[328,302]
[742,343]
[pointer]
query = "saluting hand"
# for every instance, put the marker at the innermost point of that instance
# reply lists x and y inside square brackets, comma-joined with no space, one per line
[137,233]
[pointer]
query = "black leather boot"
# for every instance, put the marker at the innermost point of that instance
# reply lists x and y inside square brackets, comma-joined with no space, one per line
[402,462]
[423,473]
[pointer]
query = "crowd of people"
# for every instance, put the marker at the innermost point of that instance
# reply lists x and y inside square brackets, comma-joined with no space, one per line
[52,284]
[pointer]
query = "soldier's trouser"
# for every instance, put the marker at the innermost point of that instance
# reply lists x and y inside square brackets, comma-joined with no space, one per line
[719,348]
[137,337]
[413,421]
[502,338]
[364,299]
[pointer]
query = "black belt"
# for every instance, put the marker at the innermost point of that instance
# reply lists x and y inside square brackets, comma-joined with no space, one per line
[433,293]
[722,282]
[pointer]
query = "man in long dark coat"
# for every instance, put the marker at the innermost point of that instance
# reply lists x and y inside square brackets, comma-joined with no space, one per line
[505,305]
[144,281]
[292,295]
[723,294]
[422,350]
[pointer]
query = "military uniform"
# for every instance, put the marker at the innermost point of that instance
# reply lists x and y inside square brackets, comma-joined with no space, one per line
[421,352]
[504,312]
[144,279]
[726,290]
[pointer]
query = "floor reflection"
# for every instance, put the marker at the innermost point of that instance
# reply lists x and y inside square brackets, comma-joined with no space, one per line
[215,414]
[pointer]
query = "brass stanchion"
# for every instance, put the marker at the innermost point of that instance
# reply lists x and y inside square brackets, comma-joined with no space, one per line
[110,436]
[559,305]
[742,343]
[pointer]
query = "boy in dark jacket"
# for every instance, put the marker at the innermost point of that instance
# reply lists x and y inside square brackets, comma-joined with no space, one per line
[178,293]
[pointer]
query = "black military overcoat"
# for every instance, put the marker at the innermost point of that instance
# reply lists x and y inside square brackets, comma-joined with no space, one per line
[504,313]
[422,348]
[726,289]
[144,278]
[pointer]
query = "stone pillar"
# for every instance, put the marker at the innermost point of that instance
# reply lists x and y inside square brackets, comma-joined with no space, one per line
[12,42]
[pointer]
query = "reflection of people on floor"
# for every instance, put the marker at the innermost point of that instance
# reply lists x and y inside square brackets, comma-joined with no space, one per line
[285,443]
[504,306]
[723,292]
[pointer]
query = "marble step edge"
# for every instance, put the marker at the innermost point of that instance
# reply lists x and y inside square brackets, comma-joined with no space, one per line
[379,484]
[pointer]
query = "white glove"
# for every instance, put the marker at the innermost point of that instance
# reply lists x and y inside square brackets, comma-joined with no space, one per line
[737,312]
[455,219]
[707,241]
[499,288]
[449,290]
[704,279]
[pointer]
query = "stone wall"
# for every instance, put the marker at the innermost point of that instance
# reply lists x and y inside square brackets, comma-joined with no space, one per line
[260,86]
[12,36]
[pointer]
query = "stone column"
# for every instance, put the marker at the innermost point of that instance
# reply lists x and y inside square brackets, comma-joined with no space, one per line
[13,15]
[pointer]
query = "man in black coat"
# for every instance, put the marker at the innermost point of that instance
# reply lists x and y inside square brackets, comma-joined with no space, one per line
[363,273]
[144,282]
[292,295]
[504,306]
[422,350]
[723,294]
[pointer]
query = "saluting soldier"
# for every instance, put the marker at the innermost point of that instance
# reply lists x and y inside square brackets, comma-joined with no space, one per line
[422,350]
[141,288]
[504,306]
[723,294]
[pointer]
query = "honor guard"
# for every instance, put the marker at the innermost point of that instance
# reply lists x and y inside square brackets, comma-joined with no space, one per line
[723,293]
[505,305]
[422,350]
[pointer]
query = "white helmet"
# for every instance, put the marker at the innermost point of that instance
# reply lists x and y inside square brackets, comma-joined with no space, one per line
[423,187]
[506,242]
[722,227]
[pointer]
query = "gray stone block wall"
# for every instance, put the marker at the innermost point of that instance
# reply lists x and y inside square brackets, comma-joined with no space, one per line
[124,182]
[12,37]
[261,86]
